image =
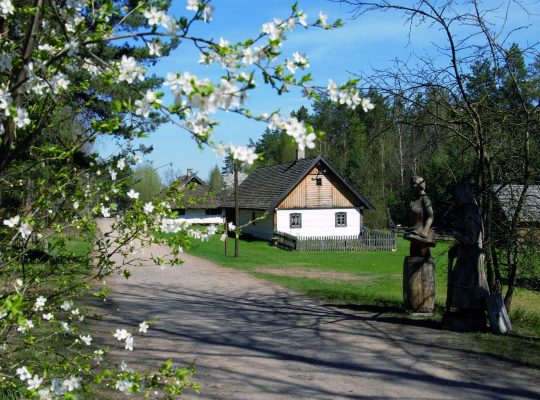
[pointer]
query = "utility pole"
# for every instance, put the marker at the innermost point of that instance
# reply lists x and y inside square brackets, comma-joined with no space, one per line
[236,210]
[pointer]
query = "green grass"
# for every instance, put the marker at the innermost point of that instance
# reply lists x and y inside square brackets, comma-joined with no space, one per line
[379,284]
[379,273]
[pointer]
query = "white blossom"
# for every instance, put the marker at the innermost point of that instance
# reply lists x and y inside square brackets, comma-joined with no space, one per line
[66,305]
[21,118]
[123,385]
[129,342]
[6,7]
[302,18]
[273,31]
[148,208]
[47,316]
[144,105]
[12,222]
[332,90]
[59,82]
[23,373]
[5,99]
[291,66]
[25,229]
[153,16]
[121,334]
[92,69]
[86,339]
[34,383]
[45,394]
[121,163]
[105,211]
[154,49]
[323,18]
[47,47]
[249,56]
[300,60]
[143,327]
[129,70]
[367,104]
[98,355]
[57,387]
[72,47]
[65,327]
[244,154]
[207,13]
[72,383]
[132,194]
[193,5]
[40,303]
[307,140]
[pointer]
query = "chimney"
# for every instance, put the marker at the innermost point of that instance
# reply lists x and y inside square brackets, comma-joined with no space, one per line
[300,154]
[189,171]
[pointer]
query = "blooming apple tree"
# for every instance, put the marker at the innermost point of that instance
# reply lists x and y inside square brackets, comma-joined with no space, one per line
[74,70]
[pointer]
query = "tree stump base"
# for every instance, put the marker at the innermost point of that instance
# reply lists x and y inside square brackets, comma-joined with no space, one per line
[419,285]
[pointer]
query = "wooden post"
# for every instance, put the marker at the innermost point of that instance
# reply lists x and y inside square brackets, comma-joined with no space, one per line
[226,230]
[236,210]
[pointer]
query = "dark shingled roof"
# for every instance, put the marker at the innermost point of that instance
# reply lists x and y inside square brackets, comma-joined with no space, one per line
[197,194]
[266,187]
[508,197]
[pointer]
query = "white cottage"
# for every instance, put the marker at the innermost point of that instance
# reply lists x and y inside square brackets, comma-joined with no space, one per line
[306,197]
[199,202]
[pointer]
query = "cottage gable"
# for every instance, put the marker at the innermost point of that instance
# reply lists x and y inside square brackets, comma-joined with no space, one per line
[320,188]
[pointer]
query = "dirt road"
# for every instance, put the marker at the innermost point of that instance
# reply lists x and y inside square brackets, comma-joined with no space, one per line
[250,339]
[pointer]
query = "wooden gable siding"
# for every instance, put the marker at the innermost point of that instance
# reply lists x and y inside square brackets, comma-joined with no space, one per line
[307,194]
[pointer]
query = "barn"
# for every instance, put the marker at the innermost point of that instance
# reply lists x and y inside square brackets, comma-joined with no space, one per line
[305,197]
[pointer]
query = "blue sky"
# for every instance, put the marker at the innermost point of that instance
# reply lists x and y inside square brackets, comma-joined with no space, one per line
[370,42]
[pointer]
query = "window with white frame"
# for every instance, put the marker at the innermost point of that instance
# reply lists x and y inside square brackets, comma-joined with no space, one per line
[295,220]
[341,219]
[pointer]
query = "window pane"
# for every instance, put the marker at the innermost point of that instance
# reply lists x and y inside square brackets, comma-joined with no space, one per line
[341,219]
[295,220]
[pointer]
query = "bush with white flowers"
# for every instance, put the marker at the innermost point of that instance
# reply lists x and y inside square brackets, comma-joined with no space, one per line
[74,70]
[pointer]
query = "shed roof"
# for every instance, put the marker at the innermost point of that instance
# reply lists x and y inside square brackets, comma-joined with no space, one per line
[266,187]
[508,196]
[197,193]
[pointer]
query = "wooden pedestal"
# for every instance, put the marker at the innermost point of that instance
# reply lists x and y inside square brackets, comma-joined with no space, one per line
[419,284]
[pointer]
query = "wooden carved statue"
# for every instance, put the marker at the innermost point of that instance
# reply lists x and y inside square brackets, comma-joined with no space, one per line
[467,283]
[419,267]
[419,231]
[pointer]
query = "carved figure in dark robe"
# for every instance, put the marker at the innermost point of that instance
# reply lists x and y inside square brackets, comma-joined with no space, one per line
[419,231]
[467,283]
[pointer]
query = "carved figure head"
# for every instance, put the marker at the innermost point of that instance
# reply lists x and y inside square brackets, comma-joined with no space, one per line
[418,184]
[463,194]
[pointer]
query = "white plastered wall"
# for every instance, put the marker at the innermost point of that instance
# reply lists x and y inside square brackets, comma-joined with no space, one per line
[320,222]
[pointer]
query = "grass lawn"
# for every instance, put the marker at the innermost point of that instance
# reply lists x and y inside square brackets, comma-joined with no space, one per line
[374,279]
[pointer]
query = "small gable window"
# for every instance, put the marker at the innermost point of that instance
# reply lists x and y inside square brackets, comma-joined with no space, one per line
[295,220]
[318,181]
[341,219]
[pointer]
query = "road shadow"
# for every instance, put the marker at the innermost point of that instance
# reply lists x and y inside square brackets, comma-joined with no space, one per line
[391,315]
